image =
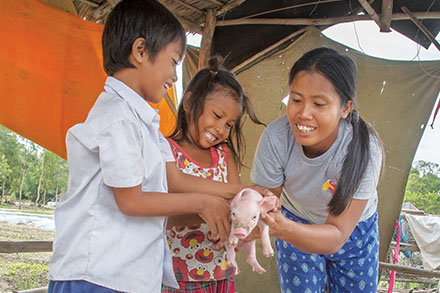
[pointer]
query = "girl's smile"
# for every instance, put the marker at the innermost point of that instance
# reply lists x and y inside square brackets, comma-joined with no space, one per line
[314,111]
[218,117]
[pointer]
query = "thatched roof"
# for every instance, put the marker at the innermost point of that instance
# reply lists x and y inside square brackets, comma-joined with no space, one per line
[244,28]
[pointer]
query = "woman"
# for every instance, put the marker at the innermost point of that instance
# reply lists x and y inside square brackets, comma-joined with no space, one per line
[324,161]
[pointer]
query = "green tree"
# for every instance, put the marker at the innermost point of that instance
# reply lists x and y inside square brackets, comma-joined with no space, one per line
[423,187]
[5,172]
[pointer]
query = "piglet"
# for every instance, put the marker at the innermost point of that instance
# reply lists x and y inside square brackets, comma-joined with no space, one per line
[246,208]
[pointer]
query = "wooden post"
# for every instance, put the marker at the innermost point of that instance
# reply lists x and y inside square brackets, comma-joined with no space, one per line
[208,33]
[25,246]
[385,16]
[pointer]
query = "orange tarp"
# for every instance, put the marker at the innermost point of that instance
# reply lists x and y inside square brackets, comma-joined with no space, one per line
[51,72]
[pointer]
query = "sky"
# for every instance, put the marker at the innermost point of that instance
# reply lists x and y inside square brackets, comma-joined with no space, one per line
[365,37]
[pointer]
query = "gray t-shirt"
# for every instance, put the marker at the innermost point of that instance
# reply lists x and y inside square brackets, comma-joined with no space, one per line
[309,183]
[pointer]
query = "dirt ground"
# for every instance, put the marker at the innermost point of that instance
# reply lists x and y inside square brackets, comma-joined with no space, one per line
[22,271]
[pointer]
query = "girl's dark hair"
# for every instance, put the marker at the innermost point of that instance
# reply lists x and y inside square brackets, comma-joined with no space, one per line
[340,70]
[206,82]
[132,19]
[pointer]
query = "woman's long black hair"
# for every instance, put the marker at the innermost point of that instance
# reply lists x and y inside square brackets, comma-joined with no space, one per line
[202,85]
[340,70]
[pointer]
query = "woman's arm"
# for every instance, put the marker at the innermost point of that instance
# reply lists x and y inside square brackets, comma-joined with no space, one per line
[213,210]
[325,238]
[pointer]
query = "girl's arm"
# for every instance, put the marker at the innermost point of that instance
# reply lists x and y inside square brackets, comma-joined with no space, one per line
[325,238]
[213,210]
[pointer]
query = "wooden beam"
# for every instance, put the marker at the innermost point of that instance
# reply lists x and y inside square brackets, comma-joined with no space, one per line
[260,54]
[208,33]
[25,246]
[231,5]
[370,10]
[385,16]
[409,270]
[322,21]
[420,25]
[190,26]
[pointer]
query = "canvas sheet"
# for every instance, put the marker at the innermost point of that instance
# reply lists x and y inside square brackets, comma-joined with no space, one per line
[396,97]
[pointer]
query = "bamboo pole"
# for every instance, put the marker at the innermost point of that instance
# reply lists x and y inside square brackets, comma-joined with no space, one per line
[208,33]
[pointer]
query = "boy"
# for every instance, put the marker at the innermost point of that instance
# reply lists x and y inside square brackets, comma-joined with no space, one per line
[110,224]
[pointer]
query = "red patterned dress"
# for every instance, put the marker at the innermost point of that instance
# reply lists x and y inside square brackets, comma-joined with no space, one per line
[194,260]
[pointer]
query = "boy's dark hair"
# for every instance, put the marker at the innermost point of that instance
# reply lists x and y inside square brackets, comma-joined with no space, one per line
[132,19]
[340,70]
[206,82]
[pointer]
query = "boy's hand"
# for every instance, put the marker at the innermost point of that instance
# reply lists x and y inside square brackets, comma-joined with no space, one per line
[215,212]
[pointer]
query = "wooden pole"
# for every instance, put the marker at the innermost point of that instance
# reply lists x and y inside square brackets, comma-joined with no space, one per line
[25,246]
[254,58]
[421,26]
[409,270]
[208,33]
[370,10]
[385,16]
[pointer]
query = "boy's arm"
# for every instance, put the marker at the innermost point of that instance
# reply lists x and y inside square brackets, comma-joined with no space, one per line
[213,210]
[180,182]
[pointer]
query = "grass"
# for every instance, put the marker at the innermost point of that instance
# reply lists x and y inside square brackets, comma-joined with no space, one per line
[22,271]
[25,208]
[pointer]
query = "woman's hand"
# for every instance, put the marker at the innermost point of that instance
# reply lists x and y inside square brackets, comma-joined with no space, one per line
[275,220]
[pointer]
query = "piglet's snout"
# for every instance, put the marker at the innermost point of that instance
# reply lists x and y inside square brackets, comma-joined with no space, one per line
[240,233]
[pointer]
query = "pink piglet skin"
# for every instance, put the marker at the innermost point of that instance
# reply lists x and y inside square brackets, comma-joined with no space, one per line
[246,208]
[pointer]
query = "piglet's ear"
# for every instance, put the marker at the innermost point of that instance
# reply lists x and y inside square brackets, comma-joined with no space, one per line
[241,193]
[268,203]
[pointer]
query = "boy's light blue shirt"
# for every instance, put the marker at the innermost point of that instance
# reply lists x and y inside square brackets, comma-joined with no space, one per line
[119,145]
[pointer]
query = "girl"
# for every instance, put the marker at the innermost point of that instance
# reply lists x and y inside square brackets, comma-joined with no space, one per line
[327,162]
[207,143]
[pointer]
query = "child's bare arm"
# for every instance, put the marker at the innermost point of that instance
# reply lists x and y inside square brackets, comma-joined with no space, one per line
[180,182]
[212,209]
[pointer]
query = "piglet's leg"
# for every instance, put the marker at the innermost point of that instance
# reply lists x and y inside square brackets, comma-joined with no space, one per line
[249,249]
[265,239]
[230,252]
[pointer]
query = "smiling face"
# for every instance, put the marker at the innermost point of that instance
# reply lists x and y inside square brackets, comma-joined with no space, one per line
[157,76]
[219,114]
[314,111]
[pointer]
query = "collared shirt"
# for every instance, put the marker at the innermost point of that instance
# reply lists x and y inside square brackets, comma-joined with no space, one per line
[119,145]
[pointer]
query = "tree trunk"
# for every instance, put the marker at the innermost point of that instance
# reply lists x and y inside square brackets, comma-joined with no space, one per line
[39,181]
